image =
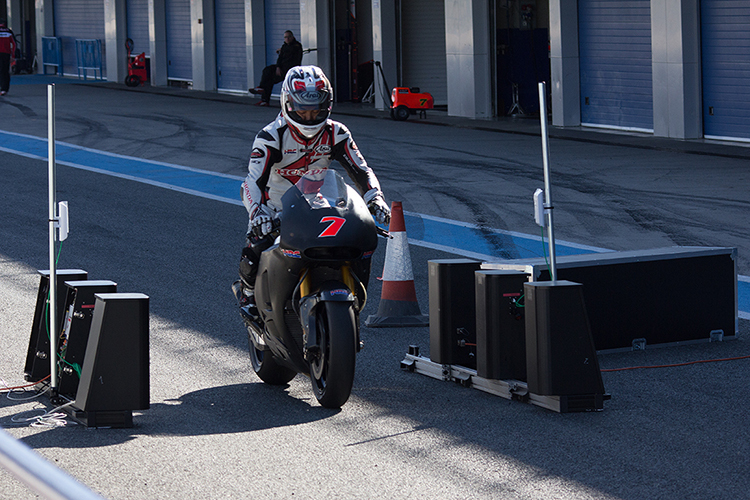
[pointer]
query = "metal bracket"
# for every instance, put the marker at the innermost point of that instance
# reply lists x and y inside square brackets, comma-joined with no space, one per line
[509,389]
[639,344]
[716,336]
[462,378]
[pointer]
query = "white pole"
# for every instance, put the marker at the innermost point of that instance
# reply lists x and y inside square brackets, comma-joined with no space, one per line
[52,237]
[547,191]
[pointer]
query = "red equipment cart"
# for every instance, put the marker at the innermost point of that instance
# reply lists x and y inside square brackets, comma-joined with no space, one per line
[137,74]
[407,101]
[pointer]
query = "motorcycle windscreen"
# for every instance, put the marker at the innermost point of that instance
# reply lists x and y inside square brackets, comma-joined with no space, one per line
[323,188]
[322,211]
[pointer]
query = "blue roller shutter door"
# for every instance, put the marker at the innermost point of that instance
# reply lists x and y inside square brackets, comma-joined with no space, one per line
[137,14]
[614,38]
[231,45]
[281,15]
[725,46]
[78,19]
[423,52]
[179,49]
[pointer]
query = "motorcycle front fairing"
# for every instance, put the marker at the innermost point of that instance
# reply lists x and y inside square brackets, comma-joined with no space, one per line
[324,252]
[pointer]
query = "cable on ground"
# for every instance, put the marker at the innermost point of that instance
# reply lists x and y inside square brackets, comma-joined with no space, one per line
[675,364]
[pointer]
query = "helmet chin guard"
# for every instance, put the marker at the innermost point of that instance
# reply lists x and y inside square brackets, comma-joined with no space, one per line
[306,100]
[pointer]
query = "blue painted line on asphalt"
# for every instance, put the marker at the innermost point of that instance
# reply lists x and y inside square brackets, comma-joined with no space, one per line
[461,238]
[490,243]
[37,79]
[194,181]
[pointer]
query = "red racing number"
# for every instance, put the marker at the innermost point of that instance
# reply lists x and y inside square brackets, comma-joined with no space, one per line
[333,228]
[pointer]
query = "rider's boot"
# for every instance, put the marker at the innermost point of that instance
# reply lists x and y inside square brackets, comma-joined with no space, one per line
[244,288]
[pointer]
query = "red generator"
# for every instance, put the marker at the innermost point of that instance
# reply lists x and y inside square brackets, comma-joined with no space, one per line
[407,101]
[137,74]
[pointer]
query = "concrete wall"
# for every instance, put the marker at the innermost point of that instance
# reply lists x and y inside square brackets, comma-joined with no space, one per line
[203,43]
[255,35]
[115,33]
[564,64]
[467,43]
[45,26]
[384,50]
[676,68]
[157,32]
[315,27]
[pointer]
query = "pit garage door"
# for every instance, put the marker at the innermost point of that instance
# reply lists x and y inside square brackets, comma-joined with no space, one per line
[137,15]
[78,19]
[281,15]
[614,38]
[423,55]
[725,49]
[231,45]
[179,50]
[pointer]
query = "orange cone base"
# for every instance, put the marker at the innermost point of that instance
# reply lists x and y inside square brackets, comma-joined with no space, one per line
[395,313]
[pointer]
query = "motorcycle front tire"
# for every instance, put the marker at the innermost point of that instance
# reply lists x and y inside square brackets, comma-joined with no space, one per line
[332,373]
[266,367]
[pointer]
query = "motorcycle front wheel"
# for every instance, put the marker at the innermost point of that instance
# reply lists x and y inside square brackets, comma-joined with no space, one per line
[332,372]
[266,367]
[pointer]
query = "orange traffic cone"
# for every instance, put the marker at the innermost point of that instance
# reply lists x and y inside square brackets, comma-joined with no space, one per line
[398,299]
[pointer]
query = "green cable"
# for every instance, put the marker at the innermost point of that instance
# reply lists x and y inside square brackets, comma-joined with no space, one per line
[76,367]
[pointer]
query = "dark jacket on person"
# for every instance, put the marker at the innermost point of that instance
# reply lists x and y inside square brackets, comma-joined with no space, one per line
[290,55]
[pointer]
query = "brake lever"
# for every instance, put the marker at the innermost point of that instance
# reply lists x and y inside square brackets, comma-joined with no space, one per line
[384,233]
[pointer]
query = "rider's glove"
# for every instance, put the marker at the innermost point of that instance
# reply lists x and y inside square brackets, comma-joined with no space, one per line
[377,206]
[260,224]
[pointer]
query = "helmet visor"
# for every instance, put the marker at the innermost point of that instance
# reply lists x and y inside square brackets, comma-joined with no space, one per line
[309,107]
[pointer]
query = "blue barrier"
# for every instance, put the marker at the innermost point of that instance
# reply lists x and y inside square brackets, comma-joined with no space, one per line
[52,54]
[89,57]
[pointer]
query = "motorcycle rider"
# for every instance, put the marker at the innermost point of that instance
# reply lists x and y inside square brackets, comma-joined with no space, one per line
[302,137]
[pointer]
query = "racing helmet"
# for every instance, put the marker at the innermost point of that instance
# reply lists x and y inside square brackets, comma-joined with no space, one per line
[306,88]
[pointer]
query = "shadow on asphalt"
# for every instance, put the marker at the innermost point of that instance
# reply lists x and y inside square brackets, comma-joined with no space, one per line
[216,410]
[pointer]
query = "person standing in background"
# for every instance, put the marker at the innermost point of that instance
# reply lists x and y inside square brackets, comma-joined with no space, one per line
[7,50]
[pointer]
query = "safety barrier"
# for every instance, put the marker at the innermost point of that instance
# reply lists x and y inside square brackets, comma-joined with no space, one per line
[38,474]
[52,54]
[89,57]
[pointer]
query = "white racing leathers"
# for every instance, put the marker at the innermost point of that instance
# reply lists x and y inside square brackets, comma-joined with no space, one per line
[280,156]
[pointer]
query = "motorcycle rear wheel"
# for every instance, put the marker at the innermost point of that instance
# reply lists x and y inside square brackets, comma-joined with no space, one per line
[332,373]
[266,367]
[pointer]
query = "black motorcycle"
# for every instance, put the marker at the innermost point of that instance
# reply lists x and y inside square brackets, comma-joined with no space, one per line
[311,286]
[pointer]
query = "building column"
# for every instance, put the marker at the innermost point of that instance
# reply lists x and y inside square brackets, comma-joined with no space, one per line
[15,15]
[564,63]
[203,33]
[676,68]
[467,43]
[315,33]
[157,34]
[45,26]
[115,33]
[255,37]
[384,50]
